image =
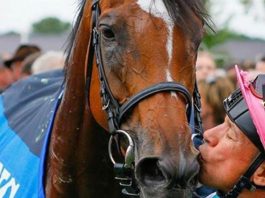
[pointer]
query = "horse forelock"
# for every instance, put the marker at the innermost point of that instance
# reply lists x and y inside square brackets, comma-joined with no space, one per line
[181,12]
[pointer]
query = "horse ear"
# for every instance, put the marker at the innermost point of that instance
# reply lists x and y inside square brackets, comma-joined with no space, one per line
[259,175]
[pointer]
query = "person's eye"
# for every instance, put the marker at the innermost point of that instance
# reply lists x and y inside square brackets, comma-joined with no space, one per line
[231,136]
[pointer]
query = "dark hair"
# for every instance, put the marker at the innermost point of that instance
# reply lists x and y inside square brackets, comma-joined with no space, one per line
[21,53]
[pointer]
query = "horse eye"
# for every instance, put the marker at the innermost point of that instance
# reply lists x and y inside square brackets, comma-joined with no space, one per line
[107,33]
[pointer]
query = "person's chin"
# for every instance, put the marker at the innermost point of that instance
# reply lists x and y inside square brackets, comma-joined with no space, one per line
[202,177]
[208,178]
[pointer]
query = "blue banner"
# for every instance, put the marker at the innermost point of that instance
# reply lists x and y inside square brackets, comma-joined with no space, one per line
[27,110]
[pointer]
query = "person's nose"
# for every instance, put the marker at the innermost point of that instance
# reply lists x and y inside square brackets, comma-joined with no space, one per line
[210,137]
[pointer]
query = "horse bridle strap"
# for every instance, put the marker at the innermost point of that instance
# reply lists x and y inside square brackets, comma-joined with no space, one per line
[160,87]
[115,111]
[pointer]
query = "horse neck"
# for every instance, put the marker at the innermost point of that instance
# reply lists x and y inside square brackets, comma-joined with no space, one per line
[76,139]
[72,109]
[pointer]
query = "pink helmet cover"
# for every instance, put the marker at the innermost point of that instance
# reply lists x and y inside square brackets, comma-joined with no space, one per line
[255,105]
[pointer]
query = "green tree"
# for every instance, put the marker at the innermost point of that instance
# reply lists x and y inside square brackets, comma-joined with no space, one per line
[50,25]
[213,39]
[222,34]
[248,2]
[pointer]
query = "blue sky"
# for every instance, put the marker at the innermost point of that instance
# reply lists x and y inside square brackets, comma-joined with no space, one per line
[18,15]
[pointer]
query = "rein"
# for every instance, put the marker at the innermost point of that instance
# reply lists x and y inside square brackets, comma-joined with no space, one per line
[116,113]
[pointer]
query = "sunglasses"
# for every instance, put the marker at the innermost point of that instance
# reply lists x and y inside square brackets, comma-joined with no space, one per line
[257,87]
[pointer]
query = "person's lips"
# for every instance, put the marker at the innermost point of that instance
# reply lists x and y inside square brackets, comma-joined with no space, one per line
[201,159]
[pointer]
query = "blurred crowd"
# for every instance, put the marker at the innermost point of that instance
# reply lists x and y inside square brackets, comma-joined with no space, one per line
[26,60]
[215,84]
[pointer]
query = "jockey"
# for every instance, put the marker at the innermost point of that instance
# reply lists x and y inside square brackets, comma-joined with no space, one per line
[232,156]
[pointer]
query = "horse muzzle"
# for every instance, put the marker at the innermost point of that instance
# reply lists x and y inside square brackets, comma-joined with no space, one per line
[157,173]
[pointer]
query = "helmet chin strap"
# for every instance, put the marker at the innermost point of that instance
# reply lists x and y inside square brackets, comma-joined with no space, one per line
[244,181]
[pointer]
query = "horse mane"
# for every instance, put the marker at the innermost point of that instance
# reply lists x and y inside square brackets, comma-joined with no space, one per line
[72,35]
[181,11]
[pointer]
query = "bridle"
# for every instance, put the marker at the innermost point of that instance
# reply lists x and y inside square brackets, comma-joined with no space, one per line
[116,113]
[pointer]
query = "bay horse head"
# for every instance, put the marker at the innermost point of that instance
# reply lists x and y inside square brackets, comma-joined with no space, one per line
[134,61]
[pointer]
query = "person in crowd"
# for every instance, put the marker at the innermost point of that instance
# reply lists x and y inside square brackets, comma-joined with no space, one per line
[6,77]
[232,157]
[15,62]
[48,61]
[246,65]
[205,65]
[26,68]
[231,73]
[5,55]
[213,91]
[260,65]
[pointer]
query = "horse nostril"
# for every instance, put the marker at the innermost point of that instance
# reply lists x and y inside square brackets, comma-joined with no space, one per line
[150,173]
